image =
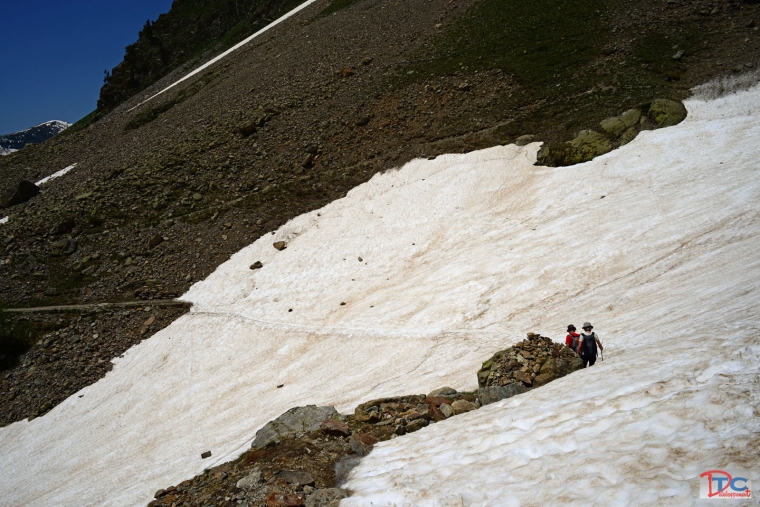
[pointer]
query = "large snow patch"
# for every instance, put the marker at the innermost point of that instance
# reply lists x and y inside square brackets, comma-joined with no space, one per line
[460,256]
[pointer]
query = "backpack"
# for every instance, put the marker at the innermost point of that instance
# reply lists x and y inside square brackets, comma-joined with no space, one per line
[588,346]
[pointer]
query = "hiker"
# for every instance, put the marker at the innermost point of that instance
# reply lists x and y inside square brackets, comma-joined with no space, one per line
[587,345]
[571,340]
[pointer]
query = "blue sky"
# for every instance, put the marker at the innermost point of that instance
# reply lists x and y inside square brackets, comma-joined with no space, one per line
[54,53]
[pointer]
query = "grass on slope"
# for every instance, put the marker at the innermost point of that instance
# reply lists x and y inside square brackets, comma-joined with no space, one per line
[566,57]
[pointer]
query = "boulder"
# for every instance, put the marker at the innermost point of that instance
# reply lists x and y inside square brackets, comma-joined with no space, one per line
[296,477]
[666,113]
[588,145]
[296,420]
[443,391]
[492,394]
[325,497]
[335,428]
[628,136]
[446,410]
[462,406]
[252,480]
[631,117]
[557,367]
[280,245]
[416,425]
[613,126]
[257,265]
[18,194]
[525,140]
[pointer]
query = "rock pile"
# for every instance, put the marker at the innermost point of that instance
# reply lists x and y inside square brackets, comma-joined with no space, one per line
[299,458]
[535,361]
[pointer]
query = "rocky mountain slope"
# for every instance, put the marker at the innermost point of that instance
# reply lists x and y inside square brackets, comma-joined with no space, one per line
[165,192]
[33,135]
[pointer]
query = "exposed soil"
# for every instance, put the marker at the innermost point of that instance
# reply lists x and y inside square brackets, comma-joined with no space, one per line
[166,192]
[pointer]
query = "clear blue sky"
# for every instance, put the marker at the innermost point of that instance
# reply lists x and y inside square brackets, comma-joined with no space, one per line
[53,53]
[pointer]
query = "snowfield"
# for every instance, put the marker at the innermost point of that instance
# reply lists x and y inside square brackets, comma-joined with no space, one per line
[440,264]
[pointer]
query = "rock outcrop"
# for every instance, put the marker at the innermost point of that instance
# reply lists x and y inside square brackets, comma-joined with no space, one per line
[533,362]
[614,132]
[294,421]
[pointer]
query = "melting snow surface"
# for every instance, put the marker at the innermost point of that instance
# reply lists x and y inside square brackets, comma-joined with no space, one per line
[56,174]
[460,256]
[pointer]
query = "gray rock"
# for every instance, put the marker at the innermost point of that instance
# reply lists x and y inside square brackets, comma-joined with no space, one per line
[252,480]
[296,420]
[416,425]
[443,391]
[324,497]
[296,477]
[446,410]
[344,466]
[488,395]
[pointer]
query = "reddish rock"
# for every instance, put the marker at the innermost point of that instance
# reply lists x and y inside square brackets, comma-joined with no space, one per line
[436,413]
[437,401]
[335,428]
[366,438]
[275,499]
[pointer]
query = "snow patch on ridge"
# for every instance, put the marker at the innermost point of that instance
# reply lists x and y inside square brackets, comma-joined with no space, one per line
[56,174]
[461,256]
[229,51]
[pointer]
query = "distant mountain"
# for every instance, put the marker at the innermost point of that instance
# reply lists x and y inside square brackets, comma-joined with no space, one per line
[35,135]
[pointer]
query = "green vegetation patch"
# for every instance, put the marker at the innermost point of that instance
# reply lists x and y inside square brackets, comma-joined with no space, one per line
[539,42]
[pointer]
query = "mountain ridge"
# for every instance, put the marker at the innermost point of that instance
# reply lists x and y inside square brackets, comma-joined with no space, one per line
[37,134]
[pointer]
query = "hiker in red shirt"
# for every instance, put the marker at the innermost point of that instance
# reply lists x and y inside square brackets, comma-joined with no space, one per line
[572,338]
